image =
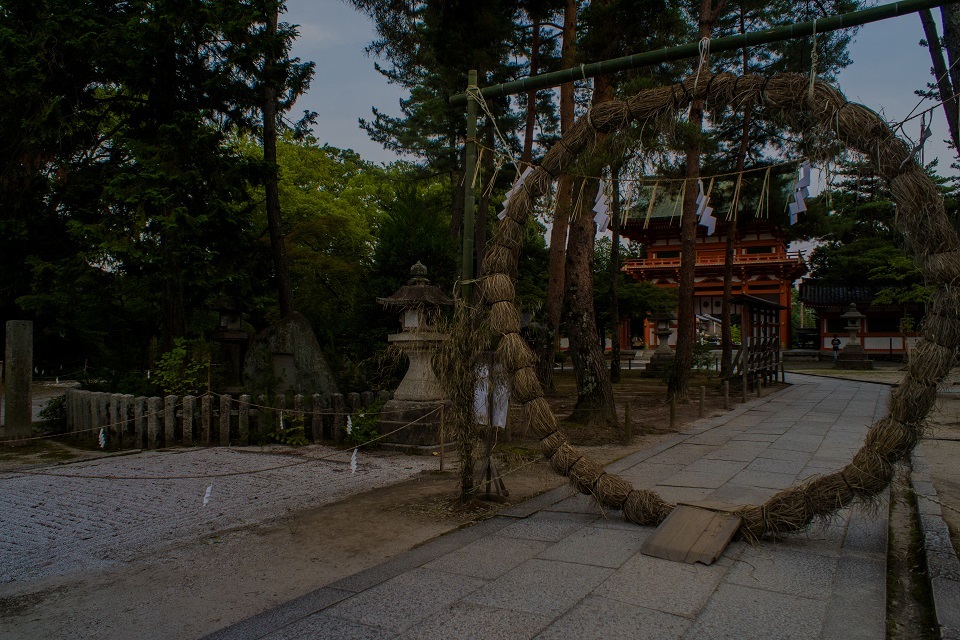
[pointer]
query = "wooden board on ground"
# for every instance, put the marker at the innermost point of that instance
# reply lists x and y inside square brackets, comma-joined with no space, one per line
[692,534]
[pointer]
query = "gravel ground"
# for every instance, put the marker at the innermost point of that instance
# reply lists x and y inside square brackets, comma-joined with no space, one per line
[94,514]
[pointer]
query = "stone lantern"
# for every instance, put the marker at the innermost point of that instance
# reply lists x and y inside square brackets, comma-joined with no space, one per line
[419,304]
[233,339]
[663,357]
[852,356]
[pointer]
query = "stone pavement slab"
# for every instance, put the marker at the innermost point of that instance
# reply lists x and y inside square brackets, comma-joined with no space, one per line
[559,567]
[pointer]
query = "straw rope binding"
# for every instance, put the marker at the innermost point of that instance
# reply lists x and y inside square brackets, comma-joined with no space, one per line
[929,237]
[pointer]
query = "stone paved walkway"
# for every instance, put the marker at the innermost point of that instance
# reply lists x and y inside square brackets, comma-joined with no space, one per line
[555,567]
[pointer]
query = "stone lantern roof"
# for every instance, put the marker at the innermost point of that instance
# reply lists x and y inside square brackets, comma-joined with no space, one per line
[417,292]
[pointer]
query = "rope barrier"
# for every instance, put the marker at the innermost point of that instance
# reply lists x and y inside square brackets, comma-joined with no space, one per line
[20,474]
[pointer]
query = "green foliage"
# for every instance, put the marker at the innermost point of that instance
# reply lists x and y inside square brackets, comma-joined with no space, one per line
[53,416]
[702,357]
[183,369]
[124,190]
[287,430]
[860,246]
[365,427]
[636,300]
[735,334]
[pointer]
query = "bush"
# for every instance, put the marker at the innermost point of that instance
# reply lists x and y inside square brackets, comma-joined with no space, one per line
[365,426]
[183,369]
[53,416]
[288,430]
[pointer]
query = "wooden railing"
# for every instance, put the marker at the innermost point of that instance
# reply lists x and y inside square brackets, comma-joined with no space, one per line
[718,260]
[758,361]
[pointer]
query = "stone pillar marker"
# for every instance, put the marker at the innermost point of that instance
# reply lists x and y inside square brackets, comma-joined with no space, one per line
[18,376]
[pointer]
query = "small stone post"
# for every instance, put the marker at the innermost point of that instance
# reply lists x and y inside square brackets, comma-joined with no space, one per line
[139,411]
[316,420]
[225,420]
[627,424]
[18,365]
[189,406]
[117,419]
[153,421]
[243,420]
[205,414]
[339,416]
[169,420]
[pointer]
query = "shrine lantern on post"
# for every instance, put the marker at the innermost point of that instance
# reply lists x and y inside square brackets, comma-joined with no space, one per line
[853,356]
[416,400]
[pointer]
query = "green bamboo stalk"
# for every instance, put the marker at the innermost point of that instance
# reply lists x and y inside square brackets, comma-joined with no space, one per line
[691,50]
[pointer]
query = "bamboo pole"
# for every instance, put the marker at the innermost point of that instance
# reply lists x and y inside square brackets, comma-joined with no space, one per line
[469,197]
[691,49]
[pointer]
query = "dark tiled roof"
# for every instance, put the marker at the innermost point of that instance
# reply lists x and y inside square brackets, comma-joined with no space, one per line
[815,292]
[411,295]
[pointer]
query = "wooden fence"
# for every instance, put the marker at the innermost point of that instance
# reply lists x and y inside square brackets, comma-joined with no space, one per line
[758,361]
[129,422]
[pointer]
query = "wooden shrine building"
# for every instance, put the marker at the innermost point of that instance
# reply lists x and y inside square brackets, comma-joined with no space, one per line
[762,267]
[886,331]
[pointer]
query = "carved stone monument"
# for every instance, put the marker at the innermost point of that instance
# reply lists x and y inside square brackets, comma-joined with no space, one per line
[286,358]
[419,394]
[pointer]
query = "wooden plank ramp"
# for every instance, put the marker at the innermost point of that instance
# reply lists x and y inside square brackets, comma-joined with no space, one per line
[692,534]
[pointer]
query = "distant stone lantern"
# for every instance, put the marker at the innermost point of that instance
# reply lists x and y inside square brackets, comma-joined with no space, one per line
[233,338]
[419,394]
[663,357]
[852,356]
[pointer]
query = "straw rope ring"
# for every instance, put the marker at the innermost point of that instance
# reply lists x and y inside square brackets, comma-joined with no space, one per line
[930,240]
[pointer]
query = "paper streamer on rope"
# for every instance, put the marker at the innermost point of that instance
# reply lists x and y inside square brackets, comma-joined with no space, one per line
[353,462]
[601,206]
[480,394]
[735,201]
[704,210]
[516,185]
[349,425]
[653,199]
[207,494]
[764,198]
[800,193]
[102,439]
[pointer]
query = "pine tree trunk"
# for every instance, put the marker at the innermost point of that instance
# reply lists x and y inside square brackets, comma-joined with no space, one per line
[686,314]
[271,186]
[726,335]
[944,86]
[556,285]
[594,391]
[951,42]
